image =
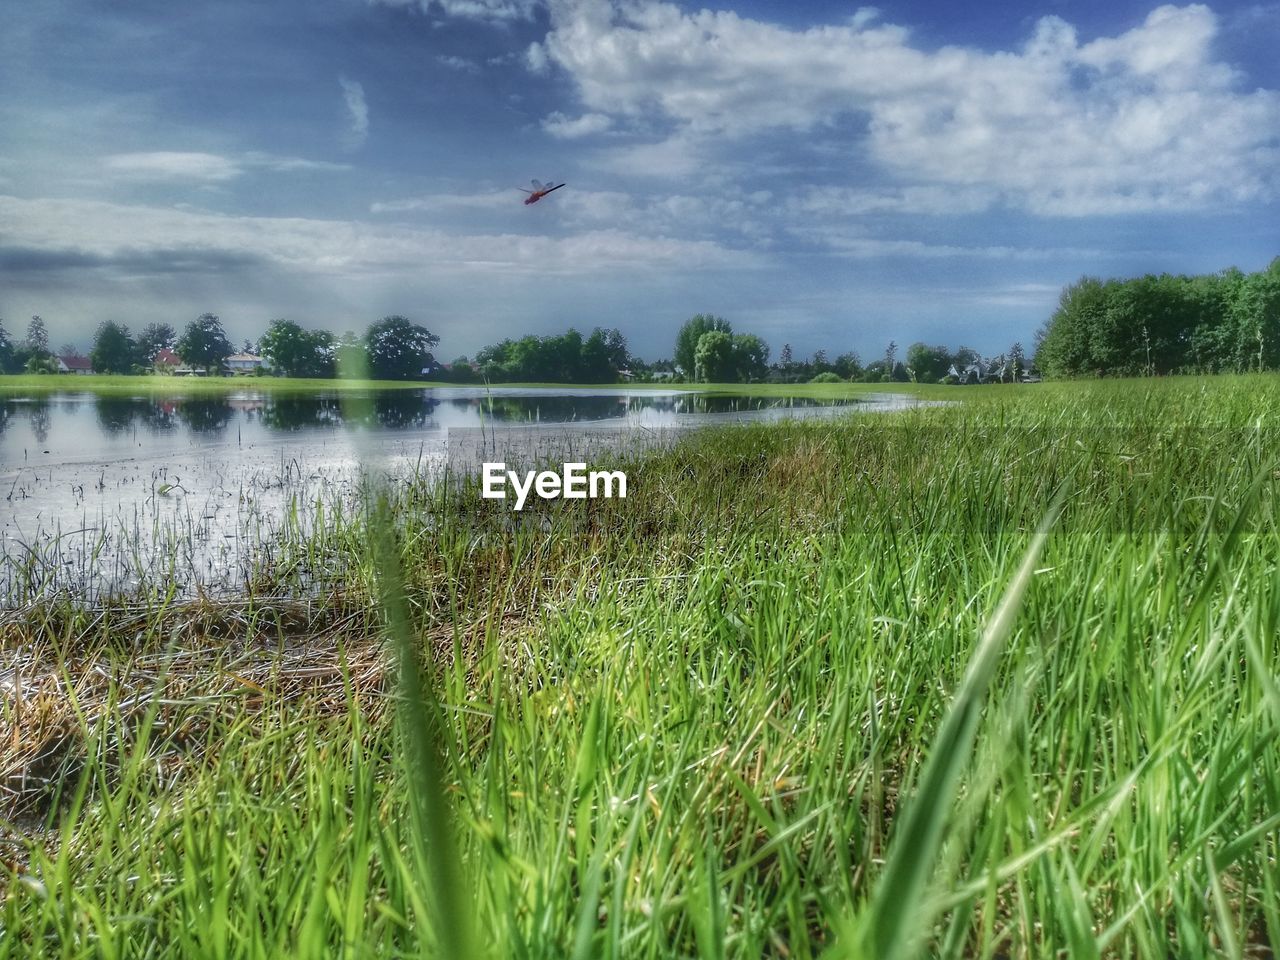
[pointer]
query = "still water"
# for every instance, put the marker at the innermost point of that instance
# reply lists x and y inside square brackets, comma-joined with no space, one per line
[93,483]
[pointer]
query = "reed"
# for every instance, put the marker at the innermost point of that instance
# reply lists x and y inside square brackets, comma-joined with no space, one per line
[813,689]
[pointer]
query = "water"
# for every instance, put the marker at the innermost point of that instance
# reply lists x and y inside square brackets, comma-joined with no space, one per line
[102,486]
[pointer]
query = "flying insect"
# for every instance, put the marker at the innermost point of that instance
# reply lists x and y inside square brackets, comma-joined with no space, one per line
[539,191]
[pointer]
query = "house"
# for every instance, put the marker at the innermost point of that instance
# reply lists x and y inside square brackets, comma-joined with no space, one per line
[243,362]
[982,371]
[80,366]
[166,361]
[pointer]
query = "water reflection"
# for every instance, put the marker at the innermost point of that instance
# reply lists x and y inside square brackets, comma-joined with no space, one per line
[76,426]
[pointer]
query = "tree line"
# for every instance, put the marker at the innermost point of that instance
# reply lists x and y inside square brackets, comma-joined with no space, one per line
[1211,323]
[393,348]
[706,349]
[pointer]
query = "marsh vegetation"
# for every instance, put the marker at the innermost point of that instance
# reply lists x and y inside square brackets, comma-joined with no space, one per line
[769,705]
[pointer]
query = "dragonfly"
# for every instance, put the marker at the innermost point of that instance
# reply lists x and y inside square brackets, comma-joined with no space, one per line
[539,191]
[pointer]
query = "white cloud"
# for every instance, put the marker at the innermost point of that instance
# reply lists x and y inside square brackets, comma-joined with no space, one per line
[173,165]
[206,168]
[461,64]
[569,128]
[853,201]
[848,242]
[500,10]
[357,113]
[105,232]
[1147,120]
[536,58]
[444,202]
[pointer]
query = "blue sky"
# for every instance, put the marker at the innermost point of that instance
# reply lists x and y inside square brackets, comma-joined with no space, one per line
[823,174]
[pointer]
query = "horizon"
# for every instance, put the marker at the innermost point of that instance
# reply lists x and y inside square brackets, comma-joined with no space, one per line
[822,175]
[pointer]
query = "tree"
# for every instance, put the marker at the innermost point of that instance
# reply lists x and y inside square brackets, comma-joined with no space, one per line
[350,358]
[1017,361]
[399,349]
[154,338]
[847,366]
[928,364]
[714,359]
[114,350]
[296,352]
[750,357]
[785,358]
[204,343]
[38,337]
[7,364]
[689,335]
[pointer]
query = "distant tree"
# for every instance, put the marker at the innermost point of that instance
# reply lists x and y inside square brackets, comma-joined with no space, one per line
[750,357]
[690,333]
[785,358]
[68,349]
[399,349]
[1017,361]
[247,346]
[7,364]
[204,343]
[847,366]
[37,336]
[350,358]
[927,364]
[296,352]
[114,350]
[890,356]
[154,338]
[714,359]
[461,371]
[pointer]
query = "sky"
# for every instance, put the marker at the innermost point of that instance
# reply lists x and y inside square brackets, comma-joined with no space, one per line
[819,173]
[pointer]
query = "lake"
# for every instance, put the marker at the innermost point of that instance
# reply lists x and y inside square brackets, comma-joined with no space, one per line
[95,487]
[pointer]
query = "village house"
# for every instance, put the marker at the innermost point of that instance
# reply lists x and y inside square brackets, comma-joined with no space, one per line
[165,361]
[80,366]
[243,362]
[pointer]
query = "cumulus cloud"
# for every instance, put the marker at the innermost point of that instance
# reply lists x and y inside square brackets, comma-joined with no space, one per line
[357,113]
[1146,120]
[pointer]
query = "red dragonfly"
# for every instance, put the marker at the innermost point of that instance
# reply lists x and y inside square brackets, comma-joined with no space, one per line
[539,191]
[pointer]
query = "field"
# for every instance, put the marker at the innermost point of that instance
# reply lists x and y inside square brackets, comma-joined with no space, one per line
[995,679]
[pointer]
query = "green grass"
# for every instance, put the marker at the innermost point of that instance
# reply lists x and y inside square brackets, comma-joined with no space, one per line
[813,689]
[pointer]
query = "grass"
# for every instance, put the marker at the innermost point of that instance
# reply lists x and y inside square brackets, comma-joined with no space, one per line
[814,689]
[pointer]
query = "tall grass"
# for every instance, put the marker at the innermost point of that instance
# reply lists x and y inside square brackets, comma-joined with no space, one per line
[770,705]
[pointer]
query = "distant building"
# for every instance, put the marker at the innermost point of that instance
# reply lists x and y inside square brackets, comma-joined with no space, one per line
[243,362]
[80,366]
[166,361]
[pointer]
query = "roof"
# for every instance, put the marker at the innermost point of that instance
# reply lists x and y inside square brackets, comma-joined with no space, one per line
[167,357]
[76,363]
[244,357]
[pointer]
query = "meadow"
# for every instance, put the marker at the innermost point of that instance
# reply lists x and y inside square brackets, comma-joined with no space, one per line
[992,679]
